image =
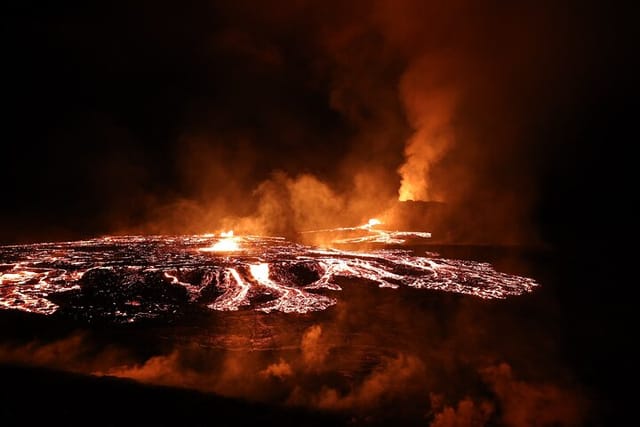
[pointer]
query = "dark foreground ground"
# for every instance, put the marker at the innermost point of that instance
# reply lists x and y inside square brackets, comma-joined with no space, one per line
[38,396]
[572,334]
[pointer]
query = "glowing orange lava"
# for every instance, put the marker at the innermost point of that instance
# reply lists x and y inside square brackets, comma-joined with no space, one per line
[366,233]
[372,223]
[260,272]
[227,243]
[268,274]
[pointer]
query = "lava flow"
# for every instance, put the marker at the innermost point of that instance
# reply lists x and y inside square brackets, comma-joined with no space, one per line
[367,233]
[128,278]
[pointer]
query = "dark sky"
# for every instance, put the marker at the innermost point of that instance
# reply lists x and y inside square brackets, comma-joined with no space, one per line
[119,115]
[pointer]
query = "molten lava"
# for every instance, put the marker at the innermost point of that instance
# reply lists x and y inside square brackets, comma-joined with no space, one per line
[128,278]
[234,292]
[372,223]
[227,243]
[366,233]
[260,272]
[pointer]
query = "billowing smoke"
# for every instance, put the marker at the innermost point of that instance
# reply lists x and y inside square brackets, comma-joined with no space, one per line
[525,404]
[280,370]
[466,414]
[429,104]
[314,348]
[332,110]
[394,377]
[409,101]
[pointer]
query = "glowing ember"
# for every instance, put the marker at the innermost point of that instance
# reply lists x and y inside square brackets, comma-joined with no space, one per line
[128,278]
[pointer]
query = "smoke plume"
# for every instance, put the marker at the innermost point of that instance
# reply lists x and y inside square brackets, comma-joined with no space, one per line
[280,117]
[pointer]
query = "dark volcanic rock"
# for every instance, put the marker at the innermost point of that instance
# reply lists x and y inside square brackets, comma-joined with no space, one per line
[102,284]
[420,216]
[122,285]
[110,294]
[299,273]
[155,286]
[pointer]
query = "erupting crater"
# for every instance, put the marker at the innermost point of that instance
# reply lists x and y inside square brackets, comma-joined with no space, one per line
[129,278]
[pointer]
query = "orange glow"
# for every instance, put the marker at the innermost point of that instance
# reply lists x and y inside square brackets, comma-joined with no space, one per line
[406,194]
[372,222]
[228,243]
[266,266]
[260,272]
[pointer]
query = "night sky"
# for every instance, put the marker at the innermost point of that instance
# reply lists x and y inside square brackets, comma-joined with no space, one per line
[154,116]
